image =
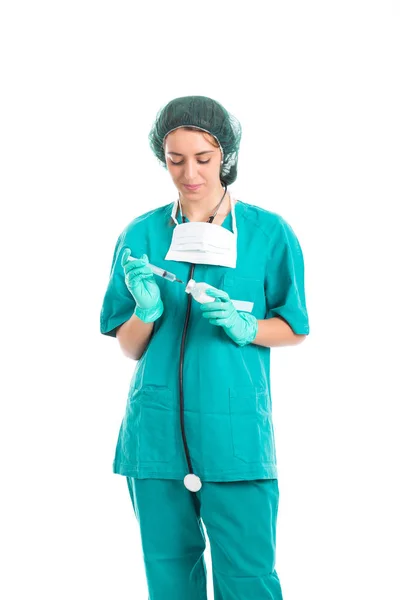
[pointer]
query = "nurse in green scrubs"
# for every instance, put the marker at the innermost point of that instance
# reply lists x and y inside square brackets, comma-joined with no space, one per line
[196,443]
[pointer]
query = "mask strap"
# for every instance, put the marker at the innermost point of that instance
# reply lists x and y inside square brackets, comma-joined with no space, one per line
[180,210]
[233,213]
[174,211]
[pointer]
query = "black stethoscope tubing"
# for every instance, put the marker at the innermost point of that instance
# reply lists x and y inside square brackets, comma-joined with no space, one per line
[182,354]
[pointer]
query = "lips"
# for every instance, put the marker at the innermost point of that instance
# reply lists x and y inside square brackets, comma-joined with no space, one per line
[192,187]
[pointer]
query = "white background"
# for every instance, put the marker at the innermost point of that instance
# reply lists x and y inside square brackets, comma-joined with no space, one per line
[316,88]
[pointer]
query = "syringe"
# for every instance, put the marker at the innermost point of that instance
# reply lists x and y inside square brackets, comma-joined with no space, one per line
[161,272]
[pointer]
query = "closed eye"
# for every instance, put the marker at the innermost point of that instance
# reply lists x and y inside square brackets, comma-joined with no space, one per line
[201,162]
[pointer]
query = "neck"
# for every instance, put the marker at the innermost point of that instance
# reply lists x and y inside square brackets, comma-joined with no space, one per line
[203,207]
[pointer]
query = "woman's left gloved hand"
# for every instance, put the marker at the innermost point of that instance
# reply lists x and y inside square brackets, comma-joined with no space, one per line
[241,327]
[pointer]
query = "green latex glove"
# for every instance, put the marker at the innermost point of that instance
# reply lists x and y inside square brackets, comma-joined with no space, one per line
[139,279]
[241,327]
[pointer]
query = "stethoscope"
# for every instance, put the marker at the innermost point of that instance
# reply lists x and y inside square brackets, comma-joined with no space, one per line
[191,481]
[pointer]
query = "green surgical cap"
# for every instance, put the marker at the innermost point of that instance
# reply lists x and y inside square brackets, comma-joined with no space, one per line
[204,114]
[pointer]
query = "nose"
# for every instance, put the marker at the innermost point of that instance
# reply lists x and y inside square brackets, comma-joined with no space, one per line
[190,170]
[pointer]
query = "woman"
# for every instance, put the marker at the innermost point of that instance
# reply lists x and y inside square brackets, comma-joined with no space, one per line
[197,441]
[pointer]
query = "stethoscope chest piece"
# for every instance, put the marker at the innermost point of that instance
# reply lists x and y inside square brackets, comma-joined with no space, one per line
[192,482]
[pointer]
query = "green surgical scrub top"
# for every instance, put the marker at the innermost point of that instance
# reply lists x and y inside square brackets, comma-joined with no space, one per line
[227,398]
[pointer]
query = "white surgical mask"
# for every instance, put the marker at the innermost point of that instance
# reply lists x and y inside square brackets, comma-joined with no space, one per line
[204,243]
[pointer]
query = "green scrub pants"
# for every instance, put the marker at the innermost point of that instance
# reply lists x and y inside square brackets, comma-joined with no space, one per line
[240,519]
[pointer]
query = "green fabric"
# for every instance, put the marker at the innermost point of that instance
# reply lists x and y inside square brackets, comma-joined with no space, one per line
[142,285]
[204,113]
[240,519]
[227,397]
[241,327]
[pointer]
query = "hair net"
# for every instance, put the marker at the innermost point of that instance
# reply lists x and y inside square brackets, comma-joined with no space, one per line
[205,114]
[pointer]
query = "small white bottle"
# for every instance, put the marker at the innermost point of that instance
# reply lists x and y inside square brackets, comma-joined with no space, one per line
[198,291]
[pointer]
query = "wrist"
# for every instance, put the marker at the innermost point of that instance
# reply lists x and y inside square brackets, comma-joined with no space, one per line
[148,315]
[249,330]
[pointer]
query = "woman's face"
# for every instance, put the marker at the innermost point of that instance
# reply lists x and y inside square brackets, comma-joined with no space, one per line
[192,160]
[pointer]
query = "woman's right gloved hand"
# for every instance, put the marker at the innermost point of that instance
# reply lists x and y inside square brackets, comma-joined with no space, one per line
[139,279]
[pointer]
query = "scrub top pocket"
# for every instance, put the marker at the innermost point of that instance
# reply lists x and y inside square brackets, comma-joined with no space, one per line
[251,424]
[154,423]
[246,289]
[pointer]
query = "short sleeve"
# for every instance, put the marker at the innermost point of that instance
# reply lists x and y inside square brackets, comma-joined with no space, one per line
[285,293]
[118,303]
